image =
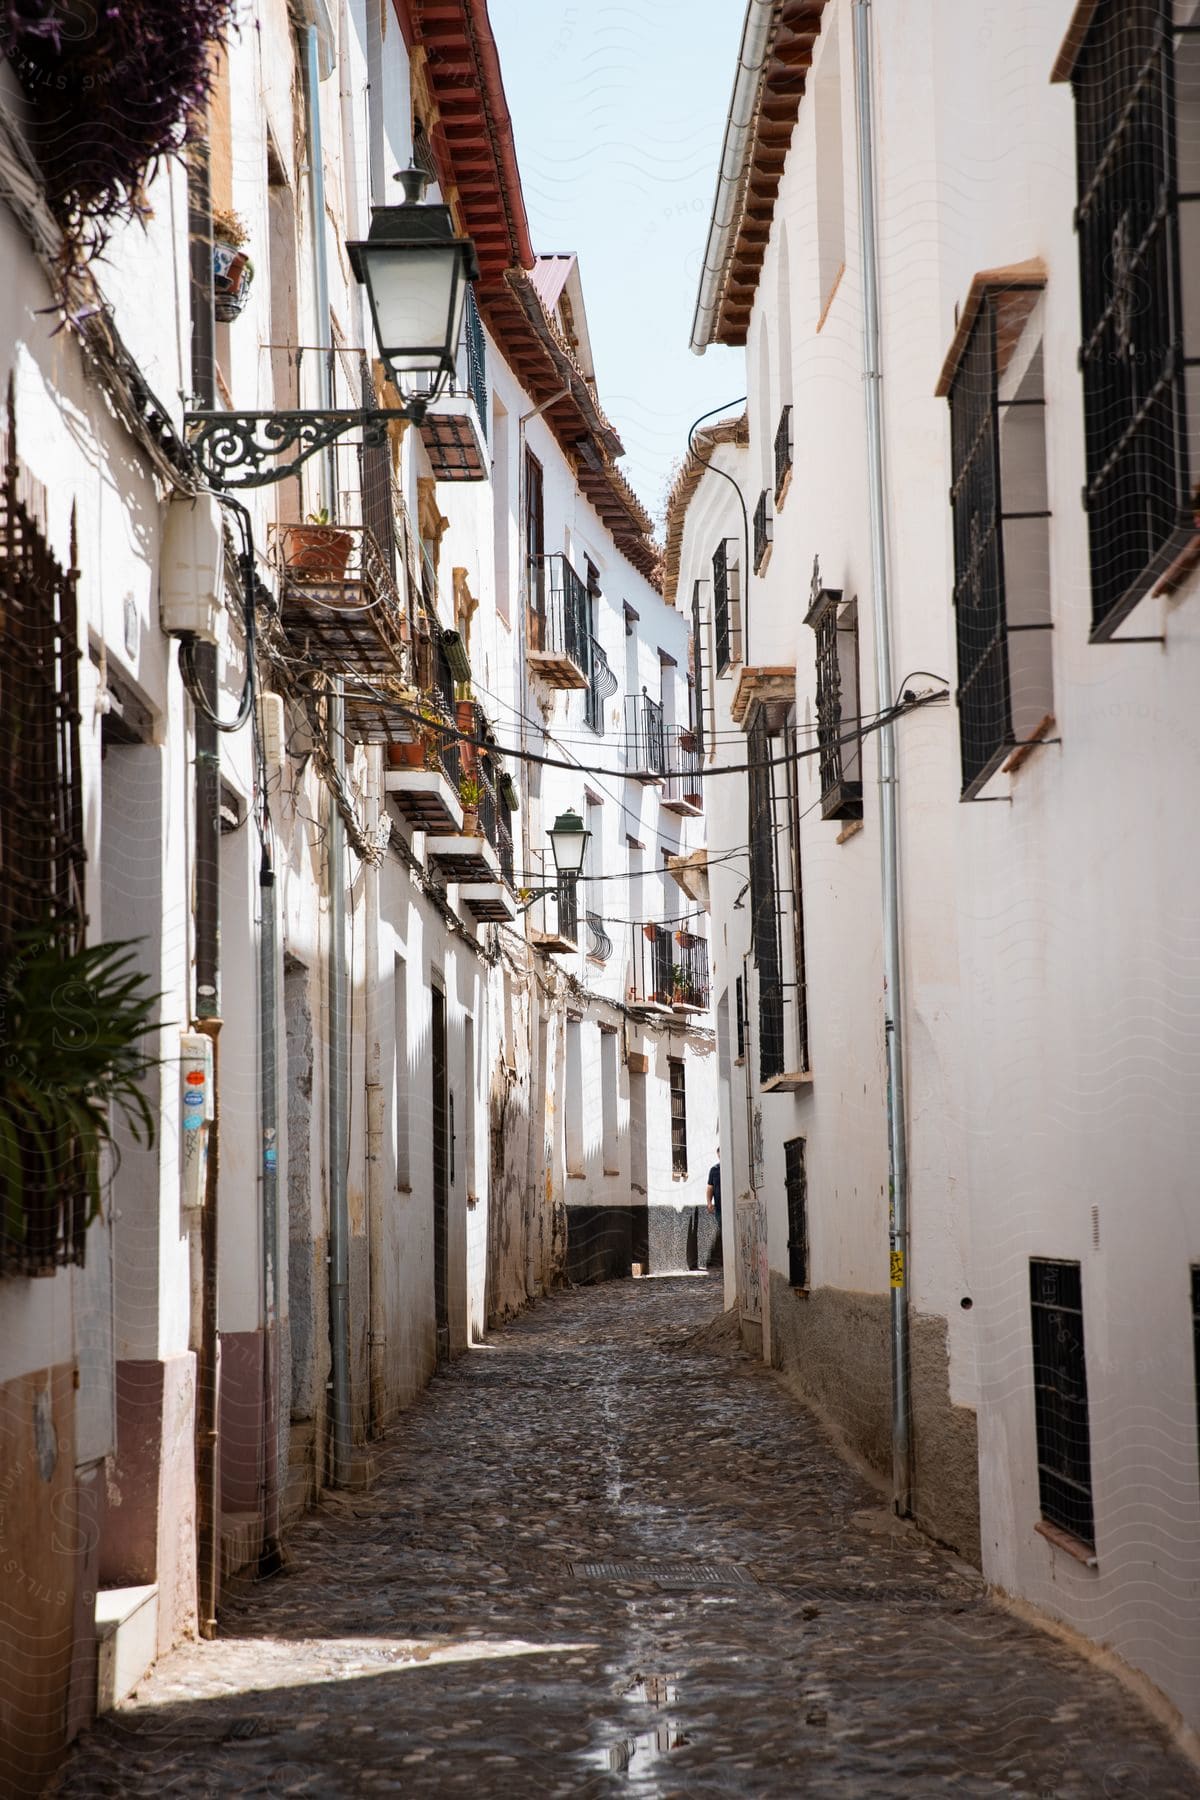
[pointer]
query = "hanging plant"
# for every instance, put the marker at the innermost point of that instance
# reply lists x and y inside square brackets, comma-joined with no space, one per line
[115,86]
[73,1025]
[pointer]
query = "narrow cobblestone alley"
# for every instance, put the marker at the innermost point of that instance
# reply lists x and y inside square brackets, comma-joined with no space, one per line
[439,1635]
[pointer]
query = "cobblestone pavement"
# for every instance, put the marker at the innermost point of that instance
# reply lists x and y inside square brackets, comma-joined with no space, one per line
[432,1637]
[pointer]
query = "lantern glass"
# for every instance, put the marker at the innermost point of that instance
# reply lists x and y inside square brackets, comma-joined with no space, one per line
[416,273]
[568,842]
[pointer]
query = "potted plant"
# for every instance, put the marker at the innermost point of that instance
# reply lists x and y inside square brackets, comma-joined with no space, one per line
[68,1074]
[317,550]
[681,987]
[470,792]
[232,269]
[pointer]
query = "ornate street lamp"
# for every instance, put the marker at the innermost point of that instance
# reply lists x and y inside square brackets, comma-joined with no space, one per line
[568,844]
[416,273]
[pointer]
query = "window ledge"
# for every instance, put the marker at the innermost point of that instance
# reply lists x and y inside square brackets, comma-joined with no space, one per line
[849,831]
[781,492]
[789,1082]
[1072,1546]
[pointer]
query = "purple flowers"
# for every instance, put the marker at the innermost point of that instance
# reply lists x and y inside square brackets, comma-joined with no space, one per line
[113,89]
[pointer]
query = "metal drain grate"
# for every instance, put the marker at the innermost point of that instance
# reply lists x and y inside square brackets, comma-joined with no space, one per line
[665,1574]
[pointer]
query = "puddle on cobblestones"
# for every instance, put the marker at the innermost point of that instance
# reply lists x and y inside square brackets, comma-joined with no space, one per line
[635,1752]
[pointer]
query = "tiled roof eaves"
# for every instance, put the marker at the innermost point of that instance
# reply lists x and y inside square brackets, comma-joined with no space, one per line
[725,431]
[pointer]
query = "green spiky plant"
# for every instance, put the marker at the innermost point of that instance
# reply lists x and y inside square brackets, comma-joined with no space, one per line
[72,1027]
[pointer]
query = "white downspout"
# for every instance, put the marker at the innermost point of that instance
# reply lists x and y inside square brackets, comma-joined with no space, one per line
[889,829]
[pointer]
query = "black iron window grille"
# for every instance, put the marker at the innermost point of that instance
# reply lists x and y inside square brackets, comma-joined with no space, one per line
[799,957]
[42,852]
[796,1186]
[679,1156]
[727,614]
[838,750]
[783,452]
[601,945]
[762,531]
[699,669]
[1138,171]
[475,357]
[740,996]
[1060,1398]
[764,901]
[1001,543]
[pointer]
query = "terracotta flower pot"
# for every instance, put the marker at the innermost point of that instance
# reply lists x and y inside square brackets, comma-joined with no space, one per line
[465,720]
[409,755]
[318,552]
[470,821]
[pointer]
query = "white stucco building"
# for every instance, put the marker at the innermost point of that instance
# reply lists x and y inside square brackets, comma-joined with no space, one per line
[1030,235]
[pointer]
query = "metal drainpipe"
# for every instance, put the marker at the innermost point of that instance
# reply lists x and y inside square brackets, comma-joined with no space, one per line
[270,1559]
[207,791]
[339,1074]
[536,1182]
[888,776]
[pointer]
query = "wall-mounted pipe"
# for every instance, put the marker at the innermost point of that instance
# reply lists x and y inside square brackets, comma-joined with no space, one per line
[889,825]
[335,840]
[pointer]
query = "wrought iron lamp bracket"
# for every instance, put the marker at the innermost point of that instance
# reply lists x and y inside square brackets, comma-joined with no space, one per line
[241,449]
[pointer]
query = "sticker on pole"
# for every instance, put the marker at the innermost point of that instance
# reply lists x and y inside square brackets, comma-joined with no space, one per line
[897,1268]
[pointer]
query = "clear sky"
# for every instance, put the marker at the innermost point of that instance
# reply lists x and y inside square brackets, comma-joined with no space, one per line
[619,113]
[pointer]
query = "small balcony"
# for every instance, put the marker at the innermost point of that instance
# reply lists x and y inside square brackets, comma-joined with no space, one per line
[681,792]
[560,640]
[492,900]
[426,762]
[645,740]
[669,972]
[454,430]
[340,607]
[602,686]
[554,920]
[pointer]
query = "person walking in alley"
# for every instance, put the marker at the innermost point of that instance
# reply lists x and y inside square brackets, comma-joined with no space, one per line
[712,1195]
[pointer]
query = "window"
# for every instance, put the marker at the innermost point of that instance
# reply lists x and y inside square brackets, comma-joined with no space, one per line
[701,670]
[679,1160]
[610,1142]
[1196,1338]
[838,749]
[762,532]
[740,996]
[403,1089]
[796,1183]
[1060,1398]
[1001,531]
[783,453]
[534,528]
[41,823]
[727,617]
[573,1098]
[764,901]
[799,961]
[1137,103]
[602,683]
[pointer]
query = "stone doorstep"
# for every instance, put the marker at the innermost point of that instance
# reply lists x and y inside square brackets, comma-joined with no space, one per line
[126,1641]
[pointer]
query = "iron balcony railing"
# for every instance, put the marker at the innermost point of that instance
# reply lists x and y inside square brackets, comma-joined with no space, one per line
[602,686]
[668,968]
[558,600]
[568,907]
[683,785]
[762,530]
[783,451]
[645,737]
[473,355]
[496,820]
[650,968]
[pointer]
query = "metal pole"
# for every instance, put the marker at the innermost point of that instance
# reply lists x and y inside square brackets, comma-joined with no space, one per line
[339,1074]
[207,1009]
[888,777]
